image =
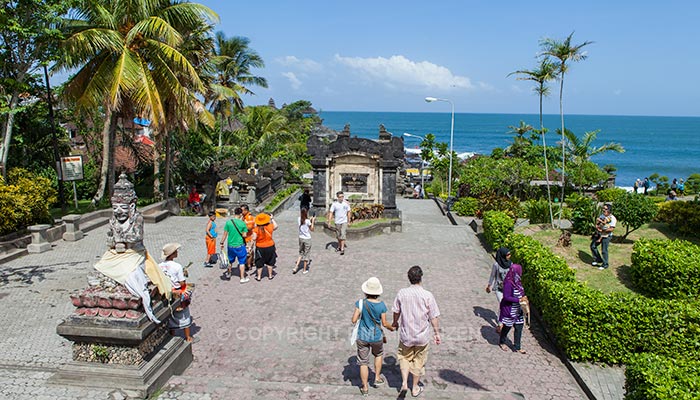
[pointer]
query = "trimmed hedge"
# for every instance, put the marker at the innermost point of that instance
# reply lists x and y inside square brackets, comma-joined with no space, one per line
[666,269]
[652,377]
[592,326]
[609,195]
[497,226]
[681,216]
[466,206]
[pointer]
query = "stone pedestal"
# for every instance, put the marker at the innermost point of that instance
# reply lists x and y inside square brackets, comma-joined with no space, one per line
[39,243]
[73,231]
[122,353]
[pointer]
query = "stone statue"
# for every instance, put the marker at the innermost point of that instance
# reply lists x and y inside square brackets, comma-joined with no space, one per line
[126,260]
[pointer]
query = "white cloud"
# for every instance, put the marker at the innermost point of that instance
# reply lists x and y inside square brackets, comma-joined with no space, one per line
[400,71]
[293,80]
[306,64]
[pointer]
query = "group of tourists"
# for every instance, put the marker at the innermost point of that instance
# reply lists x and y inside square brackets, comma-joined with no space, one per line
[677,187]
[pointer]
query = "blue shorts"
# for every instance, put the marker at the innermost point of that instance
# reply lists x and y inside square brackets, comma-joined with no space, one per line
[237,252]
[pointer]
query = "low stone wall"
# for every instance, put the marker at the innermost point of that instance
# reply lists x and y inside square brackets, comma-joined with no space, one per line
[286,203]
[394,225]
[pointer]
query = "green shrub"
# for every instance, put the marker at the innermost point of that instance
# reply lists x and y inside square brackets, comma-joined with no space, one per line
[653,377]
[681,216]
[25,200]
[537,211]
[466,206]
[497,226]
[666,269]
[692,184]
[609,195]
[583,214]
[510,206]
[590,325]
[633,210]
[280,196]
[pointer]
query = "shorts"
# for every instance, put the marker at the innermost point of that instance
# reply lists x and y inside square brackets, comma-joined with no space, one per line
[413,358]
[341,230]
[265,256]
[363,349]
[211,244]
[237,252]
[304,249]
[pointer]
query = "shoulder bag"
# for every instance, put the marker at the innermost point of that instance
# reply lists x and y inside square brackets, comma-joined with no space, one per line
[355,329]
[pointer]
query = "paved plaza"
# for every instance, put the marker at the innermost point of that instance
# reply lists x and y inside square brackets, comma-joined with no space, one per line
[288,338]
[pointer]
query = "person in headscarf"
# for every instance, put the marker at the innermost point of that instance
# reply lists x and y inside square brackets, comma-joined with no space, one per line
[498,273]
[511,313]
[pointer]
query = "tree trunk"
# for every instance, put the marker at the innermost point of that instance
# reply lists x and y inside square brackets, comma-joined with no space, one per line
[563,149]
[157,195]
[168,160]
[546,166]
[7,134]
[107,165]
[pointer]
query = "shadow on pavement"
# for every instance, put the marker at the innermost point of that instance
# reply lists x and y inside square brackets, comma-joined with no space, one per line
[487,315]
[459,379]
[351,372]
[489,333]
[31,273]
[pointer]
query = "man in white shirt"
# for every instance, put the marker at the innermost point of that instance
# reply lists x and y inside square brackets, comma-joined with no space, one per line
[340,210]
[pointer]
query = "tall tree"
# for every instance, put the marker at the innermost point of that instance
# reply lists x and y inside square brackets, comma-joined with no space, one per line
[27,38]
[564,52]
[233,66]
[543,73]
[127,52]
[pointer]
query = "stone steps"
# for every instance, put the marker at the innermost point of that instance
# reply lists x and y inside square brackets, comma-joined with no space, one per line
[242,388]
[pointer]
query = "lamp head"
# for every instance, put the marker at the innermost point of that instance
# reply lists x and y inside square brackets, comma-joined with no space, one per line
[430,99]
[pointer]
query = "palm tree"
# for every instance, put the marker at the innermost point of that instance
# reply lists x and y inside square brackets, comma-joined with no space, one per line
[563,51]
[263,135]
[233,63]
[544,73]
[127,51]
[581,149]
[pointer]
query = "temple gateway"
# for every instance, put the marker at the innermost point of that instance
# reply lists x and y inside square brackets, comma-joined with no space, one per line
[364,169]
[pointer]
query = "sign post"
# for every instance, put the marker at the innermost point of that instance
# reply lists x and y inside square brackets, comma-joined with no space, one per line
[72,170]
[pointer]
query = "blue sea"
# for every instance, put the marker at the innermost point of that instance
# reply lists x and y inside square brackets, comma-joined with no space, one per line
[668,146]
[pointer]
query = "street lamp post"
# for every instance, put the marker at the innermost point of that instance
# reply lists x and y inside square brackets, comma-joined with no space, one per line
[452,129]
[420,170]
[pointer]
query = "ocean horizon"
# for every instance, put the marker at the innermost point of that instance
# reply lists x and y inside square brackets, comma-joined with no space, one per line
[669,146]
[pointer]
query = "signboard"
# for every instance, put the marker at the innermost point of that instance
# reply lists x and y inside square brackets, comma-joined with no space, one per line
[72,168]
[354,183]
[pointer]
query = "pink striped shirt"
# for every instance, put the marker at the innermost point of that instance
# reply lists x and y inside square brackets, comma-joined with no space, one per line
[417,307]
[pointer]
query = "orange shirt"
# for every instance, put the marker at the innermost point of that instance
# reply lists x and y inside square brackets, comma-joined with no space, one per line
[250,223]
[264,238]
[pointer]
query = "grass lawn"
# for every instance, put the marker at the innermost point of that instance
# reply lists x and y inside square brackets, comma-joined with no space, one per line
[578,256]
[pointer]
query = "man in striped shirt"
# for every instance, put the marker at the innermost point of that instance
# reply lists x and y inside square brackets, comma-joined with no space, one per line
[415,311]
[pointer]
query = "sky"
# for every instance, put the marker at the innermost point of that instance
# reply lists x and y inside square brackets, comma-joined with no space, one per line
[389,55]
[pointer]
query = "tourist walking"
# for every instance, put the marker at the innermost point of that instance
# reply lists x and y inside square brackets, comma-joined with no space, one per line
[637,183]
[181,318]
[371,314]
[511,313]
[210,239]
[499,269]
[306,226]
[249,220]
[603,237]
[305,200]
[265,252]
[415,311]
[234,237]
[681,187]
[646,185]
[340,211]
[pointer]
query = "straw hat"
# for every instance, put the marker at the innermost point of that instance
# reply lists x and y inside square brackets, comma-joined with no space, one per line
[372,286]
[262,219]
[169,249]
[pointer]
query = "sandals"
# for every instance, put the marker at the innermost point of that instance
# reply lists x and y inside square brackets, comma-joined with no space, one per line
[379,381]
[420,392]
[365,392]
[503,347]
[521,351]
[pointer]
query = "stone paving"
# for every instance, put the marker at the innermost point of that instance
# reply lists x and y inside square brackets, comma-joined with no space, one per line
[287,338]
